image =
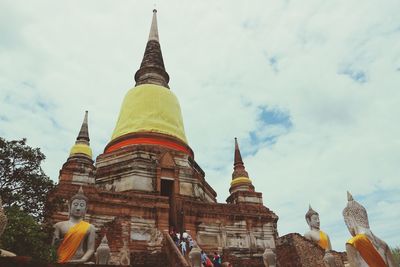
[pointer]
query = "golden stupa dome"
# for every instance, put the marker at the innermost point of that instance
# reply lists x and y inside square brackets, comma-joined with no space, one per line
[150,108]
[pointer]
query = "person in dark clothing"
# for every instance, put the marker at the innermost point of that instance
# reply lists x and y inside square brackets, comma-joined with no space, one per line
[217,260]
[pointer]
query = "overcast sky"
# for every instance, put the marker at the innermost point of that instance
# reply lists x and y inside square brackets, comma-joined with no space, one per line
[310,88]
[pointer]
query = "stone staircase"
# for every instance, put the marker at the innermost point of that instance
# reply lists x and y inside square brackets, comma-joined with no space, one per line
[174,256]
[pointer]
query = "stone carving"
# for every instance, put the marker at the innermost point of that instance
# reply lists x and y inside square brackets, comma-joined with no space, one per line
[75,238]
[364,249]
[141,234]
[103,252]
[3,224]
[269,257]
[124,255]
[195,256]
[156,238]
[142,229]
[315,234]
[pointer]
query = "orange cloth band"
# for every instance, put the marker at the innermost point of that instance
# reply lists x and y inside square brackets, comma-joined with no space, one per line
[367,251]
[323,240]
[151,141]
[71,241]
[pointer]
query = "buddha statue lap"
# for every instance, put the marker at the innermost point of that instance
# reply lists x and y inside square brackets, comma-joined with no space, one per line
[75,238]
[364,249]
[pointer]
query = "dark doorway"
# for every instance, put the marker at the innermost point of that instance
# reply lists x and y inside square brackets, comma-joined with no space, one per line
[167,187]
[167,190]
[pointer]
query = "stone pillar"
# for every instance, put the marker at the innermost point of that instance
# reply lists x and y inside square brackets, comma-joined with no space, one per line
[329,259]
[195,257]
[269,257]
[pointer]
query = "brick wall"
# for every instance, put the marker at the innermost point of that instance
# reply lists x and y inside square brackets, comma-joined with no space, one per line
[251,261]
[293,250]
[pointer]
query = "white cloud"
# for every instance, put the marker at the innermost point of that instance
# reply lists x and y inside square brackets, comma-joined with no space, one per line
[57,60]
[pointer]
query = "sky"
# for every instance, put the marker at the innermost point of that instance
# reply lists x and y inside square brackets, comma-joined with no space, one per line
[310,89]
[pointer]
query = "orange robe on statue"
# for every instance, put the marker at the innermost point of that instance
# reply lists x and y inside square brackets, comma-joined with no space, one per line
[323,240]
[71,241]
[367,251]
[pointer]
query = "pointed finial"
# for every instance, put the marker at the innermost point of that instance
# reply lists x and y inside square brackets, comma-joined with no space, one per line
[79,195]
[349,196]
[238,155]
[80,191]
[152,69]
[238,167]
[104,240]
[153,36]
[83,135]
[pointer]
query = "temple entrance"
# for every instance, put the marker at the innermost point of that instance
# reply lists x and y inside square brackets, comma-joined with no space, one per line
[167,190]
[167,187]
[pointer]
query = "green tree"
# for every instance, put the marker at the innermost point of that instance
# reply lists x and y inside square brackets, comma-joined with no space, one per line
[396,255]
[23,183]
[24,188]
[25,236]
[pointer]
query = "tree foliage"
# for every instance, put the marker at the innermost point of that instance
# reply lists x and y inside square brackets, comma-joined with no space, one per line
[396,255]
[25,236]
[23,183]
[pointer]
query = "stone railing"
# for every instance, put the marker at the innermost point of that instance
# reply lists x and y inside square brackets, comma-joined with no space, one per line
[174,256]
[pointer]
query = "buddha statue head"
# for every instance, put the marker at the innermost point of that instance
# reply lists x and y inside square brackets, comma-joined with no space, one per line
[78,206]
[312,218]
[355,215]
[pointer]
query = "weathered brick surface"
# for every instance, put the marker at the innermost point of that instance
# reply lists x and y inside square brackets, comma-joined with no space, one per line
[293,250]
[144,259]
[251,261]
[340,258]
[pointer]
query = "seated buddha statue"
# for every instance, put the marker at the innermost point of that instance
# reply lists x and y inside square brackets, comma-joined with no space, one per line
[75,238]
[315,234]
[364,248]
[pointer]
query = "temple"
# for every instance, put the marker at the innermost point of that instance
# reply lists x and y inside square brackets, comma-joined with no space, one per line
[147,182]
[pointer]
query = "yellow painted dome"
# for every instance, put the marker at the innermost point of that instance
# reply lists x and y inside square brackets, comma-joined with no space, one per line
[150,108]
[240,180]
[81,149]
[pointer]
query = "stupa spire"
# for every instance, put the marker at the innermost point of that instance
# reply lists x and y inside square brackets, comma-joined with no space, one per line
[241,185]
[238,166]
[152,69]
[82,145]
[83,135]
[154,28]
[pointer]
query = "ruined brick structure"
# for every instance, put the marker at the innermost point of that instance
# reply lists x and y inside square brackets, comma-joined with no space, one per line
[294,250]
[147,181]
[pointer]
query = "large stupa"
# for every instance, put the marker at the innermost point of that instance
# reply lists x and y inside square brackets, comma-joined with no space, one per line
[147,182]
